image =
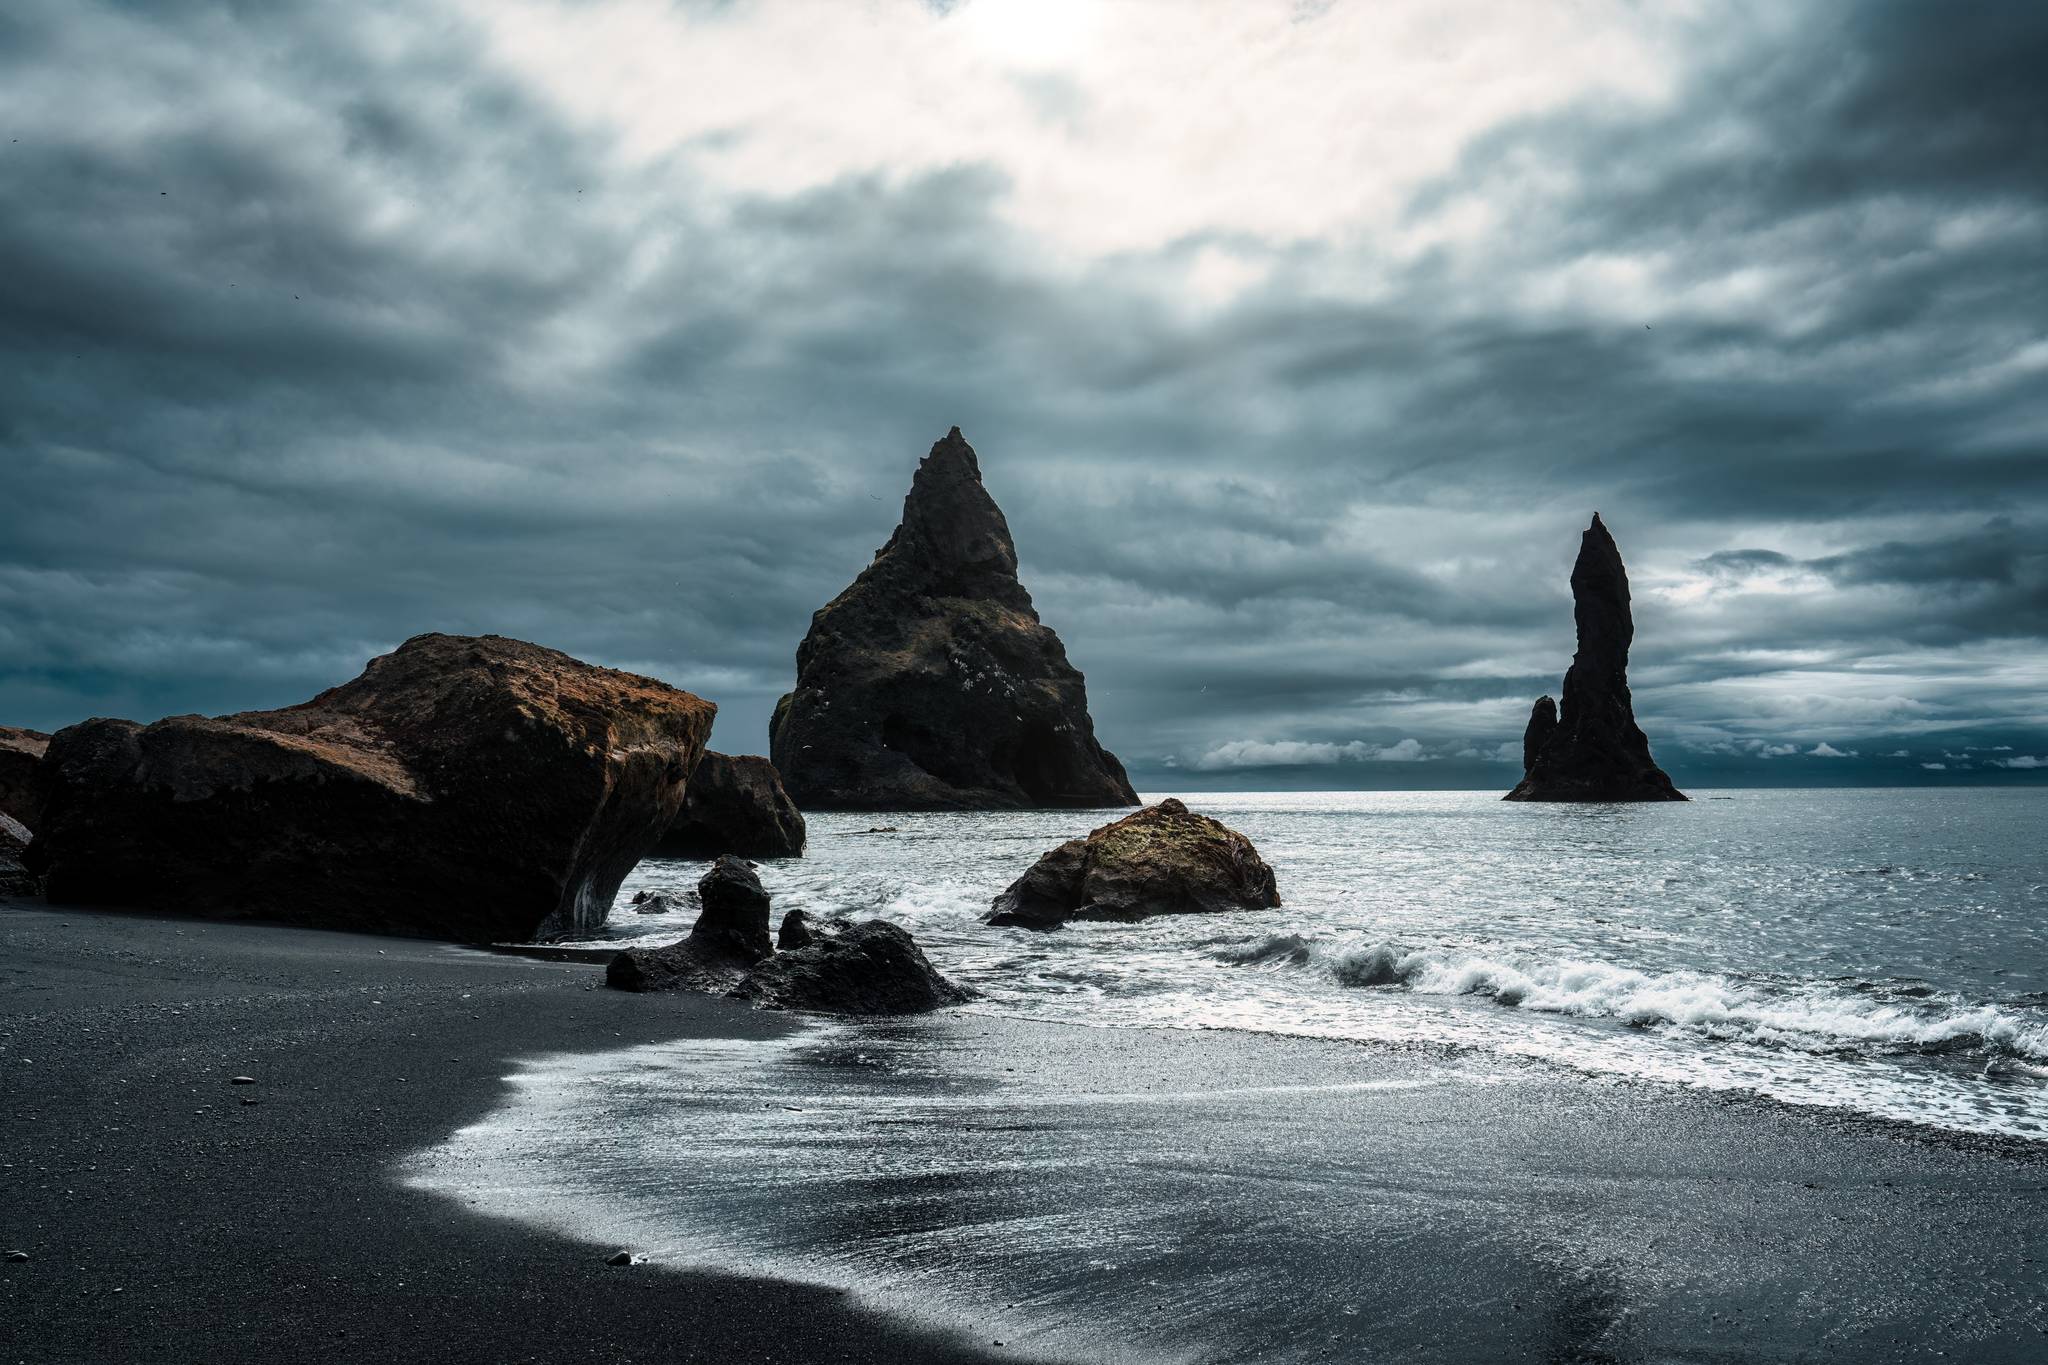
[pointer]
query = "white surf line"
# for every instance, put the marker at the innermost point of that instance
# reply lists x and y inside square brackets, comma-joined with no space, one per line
[1026,1100]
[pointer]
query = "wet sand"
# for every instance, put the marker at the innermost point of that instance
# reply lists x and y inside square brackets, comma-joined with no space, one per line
[1150,1196]
[1074,1192]
[168,1220]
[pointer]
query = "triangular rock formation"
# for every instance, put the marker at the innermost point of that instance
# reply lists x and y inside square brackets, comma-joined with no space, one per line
[1591,749]
[930,682]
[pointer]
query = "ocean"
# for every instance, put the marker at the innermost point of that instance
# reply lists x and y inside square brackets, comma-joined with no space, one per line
[1883,951]
[1759,1077]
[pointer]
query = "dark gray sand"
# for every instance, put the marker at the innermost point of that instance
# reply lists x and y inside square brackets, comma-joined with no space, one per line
[168,1220]
[1150,1195]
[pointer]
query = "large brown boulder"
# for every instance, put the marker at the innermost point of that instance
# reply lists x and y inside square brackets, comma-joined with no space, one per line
[1162,860]
[930,683]
[21,752]
[735,805]
[1590,748]
[480,789]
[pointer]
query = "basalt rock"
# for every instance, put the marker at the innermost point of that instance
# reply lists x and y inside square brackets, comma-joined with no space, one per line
[735,914]
[1162,860]
[730,936]
[833,965]
[930,683]
[480,789]
[1590,748]
[873,967]
[21,752]
[797,931]
[735,805]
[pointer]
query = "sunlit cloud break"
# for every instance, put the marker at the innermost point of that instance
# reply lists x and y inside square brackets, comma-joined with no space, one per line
[1254,753]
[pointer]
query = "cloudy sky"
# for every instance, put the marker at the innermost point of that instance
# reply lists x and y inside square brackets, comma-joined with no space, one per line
[1298,340]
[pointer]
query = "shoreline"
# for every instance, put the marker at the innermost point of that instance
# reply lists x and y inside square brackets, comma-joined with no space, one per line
[167,1220]
[1126,1194]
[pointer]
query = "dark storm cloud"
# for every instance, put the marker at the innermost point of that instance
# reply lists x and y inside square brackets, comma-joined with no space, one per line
[1998,554]
[320,328]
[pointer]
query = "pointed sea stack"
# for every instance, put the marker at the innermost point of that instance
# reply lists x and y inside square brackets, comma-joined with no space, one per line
[1591,749]
[930,683]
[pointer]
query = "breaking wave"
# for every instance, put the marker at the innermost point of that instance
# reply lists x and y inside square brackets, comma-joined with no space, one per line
[1806,1016]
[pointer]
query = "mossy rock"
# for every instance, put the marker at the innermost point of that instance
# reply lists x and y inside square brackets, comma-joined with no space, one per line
[1162,860]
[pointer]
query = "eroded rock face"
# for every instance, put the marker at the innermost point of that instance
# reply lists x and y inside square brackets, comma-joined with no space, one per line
[1162,860]
[930,682]
[15,880]
[20,753]
[735,805]
[873,967]
[1590,748]
[473,788]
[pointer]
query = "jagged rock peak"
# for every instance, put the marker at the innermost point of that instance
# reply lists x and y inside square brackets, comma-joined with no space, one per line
[1600,601]
[953,538]
[1590,748]
[930,682]
[950,510]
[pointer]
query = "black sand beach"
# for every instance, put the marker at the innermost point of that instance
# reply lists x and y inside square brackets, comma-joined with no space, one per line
[169,1220]
[1313,1200]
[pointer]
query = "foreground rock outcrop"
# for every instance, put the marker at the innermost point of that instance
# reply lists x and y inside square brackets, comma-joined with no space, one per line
[870,967]
[1162,860]
[834,965]
[1590,748]
[930,682]
[21,752]
[730,936]
[473,788]
[735,805]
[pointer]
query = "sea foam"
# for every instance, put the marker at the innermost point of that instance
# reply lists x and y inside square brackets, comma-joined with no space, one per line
[1807,1016]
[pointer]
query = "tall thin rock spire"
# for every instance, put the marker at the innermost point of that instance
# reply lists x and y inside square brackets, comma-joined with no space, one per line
[1590,747]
